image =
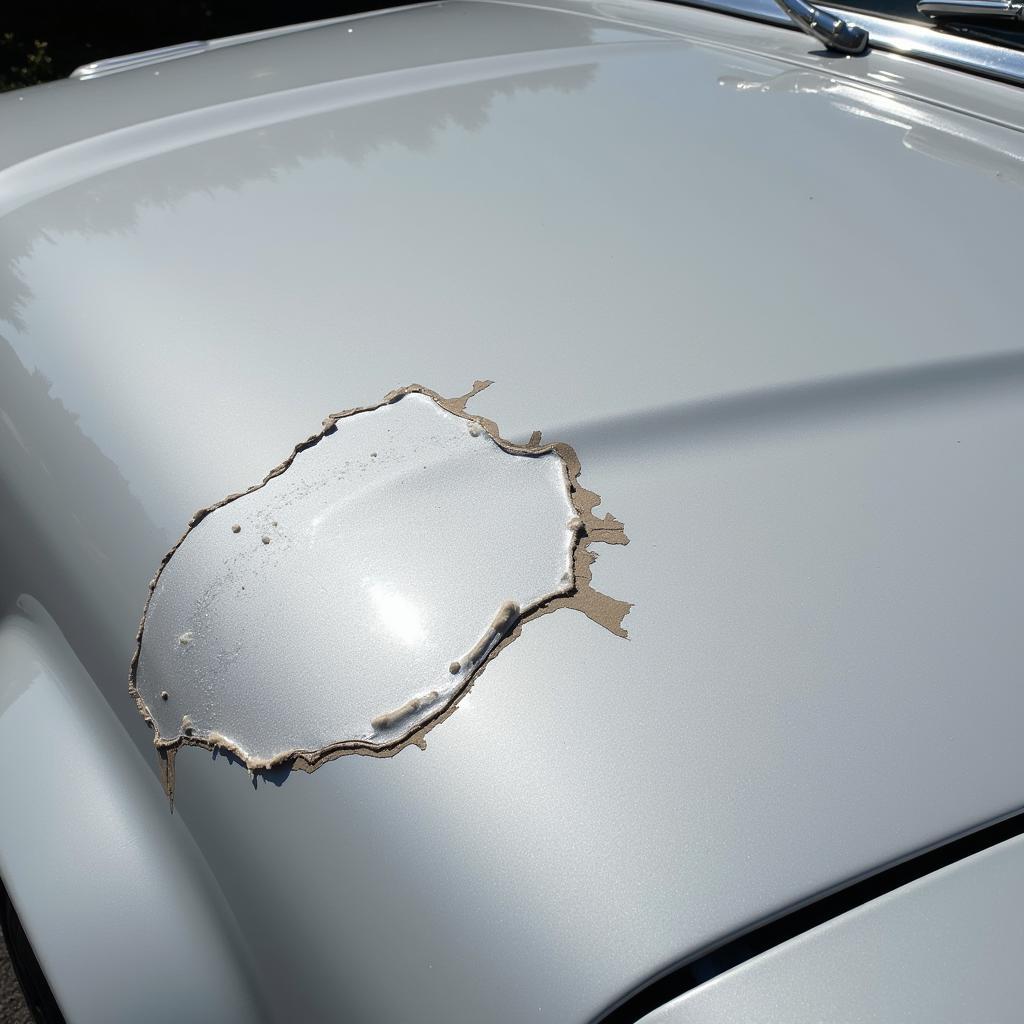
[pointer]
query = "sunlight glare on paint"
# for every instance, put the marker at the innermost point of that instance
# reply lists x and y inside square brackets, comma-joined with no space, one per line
[398,613]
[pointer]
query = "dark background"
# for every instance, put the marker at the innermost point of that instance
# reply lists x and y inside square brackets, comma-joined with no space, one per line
[43,41]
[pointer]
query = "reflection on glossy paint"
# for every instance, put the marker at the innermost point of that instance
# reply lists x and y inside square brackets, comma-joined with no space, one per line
[231,138]
[73,530]
[885,77]
[947,136]
[330,652]
[398,614]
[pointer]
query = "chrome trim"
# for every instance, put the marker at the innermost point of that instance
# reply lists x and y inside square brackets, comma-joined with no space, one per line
[972,8]
[833,33]
[110,65]
[903,37]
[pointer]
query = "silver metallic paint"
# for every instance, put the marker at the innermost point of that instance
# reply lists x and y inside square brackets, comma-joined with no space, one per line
[119,905]
[353,584]
[943,950]
[824,512]
[111,65]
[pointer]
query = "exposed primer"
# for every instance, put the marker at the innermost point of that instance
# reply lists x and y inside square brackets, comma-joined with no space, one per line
[219,741]
[577,593]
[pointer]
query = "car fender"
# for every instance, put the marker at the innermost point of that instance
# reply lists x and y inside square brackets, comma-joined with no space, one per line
[86,837]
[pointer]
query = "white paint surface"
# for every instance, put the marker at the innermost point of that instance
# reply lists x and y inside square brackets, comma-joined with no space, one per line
[357,578]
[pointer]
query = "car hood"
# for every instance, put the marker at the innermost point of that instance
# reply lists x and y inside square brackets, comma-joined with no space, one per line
[764,293]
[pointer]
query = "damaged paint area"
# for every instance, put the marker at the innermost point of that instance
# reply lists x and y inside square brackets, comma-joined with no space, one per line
[348,601]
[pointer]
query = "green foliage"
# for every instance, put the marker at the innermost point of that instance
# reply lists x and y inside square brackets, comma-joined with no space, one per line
[22,63]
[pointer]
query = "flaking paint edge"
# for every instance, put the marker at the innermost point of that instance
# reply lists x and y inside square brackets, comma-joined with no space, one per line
[602,609]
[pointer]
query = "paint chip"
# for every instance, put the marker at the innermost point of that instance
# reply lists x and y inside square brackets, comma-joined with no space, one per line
[390,594]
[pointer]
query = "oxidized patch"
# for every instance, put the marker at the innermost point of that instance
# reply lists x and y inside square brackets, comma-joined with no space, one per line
[346,603]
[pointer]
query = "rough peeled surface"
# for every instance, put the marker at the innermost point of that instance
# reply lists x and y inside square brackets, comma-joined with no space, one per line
[347,602]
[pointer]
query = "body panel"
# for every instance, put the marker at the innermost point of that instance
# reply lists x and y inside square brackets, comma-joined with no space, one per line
[941,950]
[729,271]
[113,894]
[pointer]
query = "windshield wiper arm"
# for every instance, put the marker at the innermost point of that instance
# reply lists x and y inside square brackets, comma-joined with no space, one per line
[832,32]
[1012,9]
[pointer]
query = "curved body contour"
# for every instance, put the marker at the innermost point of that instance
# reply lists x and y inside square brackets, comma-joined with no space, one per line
[768,296]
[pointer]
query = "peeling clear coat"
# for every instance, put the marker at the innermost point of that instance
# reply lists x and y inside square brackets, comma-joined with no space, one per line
[393,541]
[637,218]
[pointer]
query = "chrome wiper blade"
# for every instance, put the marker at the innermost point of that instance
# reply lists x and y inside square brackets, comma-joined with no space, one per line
[832,32]
[1009,9]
